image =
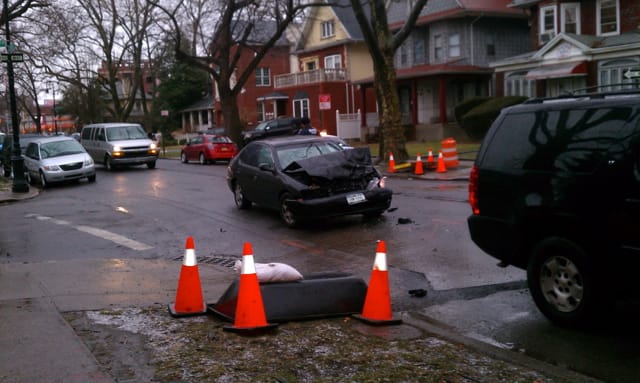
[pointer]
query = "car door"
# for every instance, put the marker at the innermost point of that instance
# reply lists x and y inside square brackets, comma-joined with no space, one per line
[193,148]
[31,160]
[256,175]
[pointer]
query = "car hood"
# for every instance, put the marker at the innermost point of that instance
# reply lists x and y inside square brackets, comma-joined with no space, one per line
[350,164]
[66,159]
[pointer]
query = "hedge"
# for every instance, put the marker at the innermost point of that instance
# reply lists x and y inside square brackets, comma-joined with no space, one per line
[477,121]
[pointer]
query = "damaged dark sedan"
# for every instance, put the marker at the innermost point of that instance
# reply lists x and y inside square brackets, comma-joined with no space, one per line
[307,177]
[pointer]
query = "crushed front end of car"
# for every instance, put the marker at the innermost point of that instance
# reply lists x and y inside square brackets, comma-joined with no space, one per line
[337,184]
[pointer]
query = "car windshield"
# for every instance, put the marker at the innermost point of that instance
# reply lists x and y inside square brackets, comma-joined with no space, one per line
[289,154]
[220,139]
[262,126]
[130,132]
[60,148]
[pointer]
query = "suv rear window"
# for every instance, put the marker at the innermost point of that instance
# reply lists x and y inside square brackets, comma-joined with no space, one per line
[570,139]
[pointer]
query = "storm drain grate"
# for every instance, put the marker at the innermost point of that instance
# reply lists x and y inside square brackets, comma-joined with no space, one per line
[220,260]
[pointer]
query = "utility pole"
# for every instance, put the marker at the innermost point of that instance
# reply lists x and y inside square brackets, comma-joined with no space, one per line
[19,183]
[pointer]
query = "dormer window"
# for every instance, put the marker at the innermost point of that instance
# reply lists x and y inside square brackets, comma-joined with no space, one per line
[608,16]
[327,29]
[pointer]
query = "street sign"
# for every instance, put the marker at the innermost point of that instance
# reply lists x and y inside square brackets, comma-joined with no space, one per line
[629,74]
[15,57]
[325,101]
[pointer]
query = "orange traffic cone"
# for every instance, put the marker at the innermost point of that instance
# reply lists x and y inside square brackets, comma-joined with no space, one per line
[418,170]
[431,164]
[392,163]
[377,303]
[250,316]
[189,299]
[441,166]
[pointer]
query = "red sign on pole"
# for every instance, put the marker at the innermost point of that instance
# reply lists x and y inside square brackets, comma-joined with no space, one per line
[325,101]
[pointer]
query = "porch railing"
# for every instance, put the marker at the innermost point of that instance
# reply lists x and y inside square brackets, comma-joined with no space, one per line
[310,77]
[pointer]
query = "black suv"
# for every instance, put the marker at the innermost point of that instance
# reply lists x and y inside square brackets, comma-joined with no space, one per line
[277,127]
[555,190]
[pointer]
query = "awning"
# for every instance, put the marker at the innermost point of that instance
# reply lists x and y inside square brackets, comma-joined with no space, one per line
[558,71]
[273,96]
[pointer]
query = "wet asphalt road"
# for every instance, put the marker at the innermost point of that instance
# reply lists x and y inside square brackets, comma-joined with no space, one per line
[147,214]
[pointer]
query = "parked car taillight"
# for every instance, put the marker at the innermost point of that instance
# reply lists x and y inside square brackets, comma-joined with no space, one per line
[473,190]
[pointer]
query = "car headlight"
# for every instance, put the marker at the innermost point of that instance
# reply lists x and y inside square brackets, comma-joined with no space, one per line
[88,162]
[376,182]
[153,146]
[51,168]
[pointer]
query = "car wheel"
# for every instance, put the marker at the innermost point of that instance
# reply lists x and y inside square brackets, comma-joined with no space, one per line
[287,215]
[43,180]
[201,159]
[562,283]
[107,163]
[241,201]
[151,165]
[183,158]
[91,178]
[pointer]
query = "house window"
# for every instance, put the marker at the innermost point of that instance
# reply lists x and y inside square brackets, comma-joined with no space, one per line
[333,62]
[570,17]
[437,47]
[418,51]
[310,65]
[327,29]
[263,77]
[404,55]
[260,115]
[301,107]
[548,27]
[613,74]
[491,43]
[608,14]
[516,84]
[454,45]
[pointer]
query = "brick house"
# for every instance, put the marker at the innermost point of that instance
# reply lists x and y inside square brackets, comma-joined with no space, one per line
[446,58]
[589,45]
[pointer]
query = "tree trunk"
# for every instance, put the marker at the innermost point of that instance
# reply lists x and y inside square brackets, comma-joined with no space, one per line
[392,138]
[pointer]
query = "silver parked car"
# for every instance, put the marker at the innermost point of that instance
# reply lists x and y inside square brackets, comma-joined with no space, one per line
[56,159]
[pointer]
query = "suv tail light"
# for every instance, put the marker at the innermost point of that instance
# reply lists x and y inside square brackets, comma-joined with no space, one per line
[473,190]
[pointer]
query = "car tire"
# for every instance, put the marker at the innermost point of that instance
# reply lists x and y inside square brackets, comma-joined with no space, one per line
[107,163]
[183,158]
[43,180]
[241,201]
[563,283]
[286,214]
[151,165]
[201,159]
[91,178]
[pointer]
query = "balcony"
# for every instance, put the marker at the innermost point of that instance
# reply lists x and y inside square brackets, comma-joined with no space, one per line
[310,77]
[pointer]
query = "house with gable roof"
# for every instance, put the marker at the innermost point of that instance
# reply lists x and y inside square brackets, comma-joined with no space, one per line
[588,45]
[330,57]
[447,57]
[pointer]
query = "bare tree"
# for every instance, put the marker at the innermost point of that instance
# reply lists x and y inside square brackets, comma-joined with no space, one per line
[383,44]
[241,26]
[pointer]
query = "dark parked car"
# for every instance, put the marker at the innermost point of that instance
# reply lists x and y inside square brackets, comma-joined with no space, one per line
[277,127]
[555,190]
[307,177]
[208,148]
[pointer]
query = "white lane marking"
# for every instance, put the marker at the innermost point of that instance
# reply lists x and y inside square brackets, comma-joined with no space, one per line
[104,234]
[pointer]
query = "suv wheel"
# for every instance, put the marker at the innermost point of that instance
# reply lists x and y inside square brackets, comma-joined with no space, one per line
[107,163]
[241,201]
[562,284]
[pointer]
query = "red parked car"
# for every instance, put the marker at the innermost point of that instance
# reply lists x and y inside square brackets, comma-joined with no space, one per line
[208,148]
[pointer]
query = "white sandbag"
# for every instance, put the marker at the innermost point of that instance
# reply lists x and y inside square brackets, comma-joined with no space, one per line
[273,272]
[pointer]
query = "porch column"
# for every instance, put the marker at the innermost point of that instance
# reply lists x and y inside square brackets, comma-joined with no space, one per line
[442,96]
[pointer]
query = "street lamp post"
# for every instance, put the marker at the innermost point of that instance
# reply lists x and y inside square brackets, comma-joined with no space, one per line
[55,115]
[19,183]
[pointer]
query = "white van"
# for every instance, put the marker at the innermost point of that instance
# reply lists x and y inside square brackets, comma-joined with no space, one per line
[119,143]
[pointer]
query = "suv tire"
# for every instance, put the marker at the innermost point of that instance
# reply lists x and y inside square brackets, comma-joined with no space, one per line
[563,284]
